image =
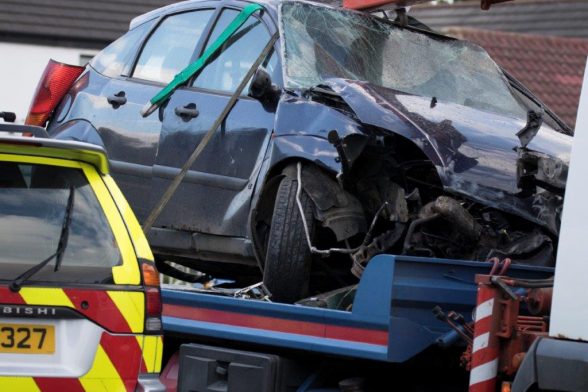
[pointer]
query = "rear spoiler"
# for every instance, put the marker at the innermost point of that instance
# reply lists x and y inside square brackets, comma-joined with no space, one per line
[53,148]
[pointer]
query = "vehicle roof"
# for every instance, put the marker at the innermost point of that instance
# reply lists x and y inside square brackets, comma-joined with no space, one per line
[59,149]
[271,5]
[188,4]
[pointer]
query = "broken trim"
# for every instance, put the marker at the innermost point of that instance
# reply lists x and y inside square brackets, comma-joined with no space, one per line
[328,252]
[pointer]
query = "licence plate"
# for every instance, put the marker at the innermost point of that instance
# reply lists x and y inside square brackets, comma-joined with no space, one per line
[27,339]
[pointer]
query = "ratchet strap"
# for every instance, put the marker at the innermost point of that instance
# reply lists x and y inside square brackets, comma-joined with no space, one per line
[173,186]
[197,65]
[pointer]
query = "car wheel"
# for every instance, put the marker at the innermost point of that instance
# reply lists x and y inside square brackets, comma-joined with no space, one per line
[288,259]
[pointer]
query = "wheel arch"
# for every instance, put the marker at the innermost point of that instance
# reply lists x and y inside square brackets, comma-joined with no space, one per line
[284,154]
[336,209]
[263,205]
[77,130]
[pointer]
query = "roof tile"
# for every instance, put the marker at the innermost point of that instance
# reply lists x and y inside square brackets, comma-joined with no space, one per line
[566,18]
[551,67]
[85,22]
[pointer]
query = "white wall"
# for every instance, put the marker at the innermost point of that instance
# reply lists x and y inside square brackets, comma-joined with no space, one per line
[21,67]
[569,309]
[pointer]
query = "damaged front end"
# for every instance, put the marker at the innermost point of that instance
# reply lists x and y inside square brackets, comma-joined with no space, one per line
[446,157]
[474,192]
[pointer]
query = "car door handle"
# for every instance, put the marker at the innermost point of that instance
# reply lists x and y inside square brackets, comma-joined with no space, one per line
[117,100]
[187,112]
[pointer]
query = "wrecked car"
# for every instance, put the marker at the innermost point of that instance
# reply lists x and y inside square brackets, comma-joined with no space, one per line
[369,135]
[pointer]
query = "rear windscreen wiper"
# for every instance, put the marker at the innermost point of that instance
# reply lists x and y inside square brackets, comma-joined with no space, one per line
[17,283]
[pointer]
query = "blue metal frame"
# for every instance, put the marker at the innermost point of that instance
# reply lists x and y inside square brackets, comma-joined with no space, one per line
[395,295]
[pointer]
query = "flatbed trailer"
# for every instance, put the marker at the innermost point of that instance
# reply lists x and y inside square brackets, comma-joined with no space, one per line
[387,318]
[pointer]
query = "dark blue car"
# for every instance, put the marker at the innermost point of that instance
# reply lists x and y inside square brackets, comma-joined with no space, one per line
[386,136]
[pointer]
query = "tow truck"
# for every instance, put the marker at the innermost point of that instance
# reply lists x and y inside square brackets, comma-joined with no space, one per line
[410,323]
[421,324]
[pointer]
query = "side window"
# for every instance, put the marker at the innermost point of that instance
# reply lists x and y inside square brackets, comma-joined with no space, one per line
[171,46]
[116,59]
[225,72]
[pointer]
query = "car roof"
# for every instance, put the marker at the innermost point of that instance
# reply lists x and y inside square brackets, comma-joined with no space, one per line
[59,149]
[188,4]
[271,5]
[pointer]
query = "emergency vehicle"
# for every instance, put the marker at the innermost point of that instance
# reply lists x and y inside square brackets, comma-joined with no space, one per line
[80,306]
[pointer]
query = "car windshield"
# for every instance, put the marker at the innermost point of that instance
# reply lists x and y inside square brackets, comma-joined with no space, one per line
[321,42]
[33,201]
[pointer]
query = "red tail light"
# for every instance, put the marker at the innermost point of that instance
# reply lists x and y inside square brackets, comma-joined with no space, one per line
[153,306]
[153,302]
[54,84]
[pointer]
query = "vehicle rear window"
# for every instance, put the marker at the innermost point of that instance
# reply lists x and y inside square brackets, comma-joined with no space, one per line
[117,58]
[33,201]
[171,46]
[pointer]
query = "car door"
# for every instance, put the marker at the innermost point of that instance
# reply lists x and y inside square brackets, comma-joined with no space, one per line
[92,101]
[130,139]
[215,195]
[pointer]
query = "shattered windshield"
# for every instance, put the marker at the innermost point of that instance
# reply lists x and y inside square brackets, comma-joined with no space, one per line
[322,42]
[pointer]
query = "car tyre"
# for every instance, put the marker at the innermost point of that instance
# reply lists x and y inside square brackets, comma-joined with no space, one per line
[288,258]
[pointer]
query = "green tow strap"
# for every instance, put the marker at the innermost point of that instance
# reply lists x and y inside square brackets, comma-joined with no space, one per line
[197,65]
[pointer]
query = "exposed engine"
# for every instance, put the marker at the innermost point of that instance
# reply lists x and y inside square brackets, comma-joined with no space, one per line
[413,214]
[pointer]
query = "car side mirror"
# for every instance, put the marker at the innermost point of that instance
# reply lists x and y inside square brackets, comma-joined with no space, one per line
[262,88]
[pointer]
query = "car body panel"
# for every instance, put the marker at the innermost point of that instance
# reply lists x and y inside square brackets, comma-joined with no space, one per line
[301,132]
[131,148]
[139,240]
[83,152]
[117,362]
[223,173]
[475,152]
[131,141]
[100,340]
[78,130]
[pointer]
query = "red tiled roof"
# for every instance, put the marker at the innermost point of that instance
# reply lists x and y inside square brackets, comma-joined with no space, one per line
[78,23]
[564,18]
[551,67]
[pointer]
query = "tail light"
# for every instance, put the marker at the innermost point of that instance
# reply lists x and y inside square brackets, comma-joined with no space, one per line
[54,84]
[153,306]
